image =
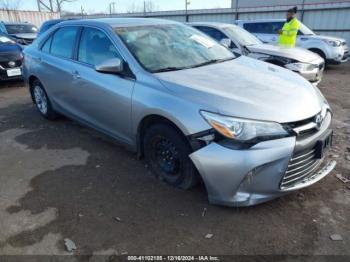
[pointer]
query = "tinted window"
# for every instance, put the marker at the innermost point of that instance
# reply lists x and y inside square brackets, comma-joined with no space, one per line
[63,41]
[47,45]
[212,32]
[264,28]
[95,47]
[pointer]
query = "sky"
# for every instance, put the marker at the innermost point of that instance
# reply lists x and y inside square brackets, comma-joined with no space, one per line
[91,6]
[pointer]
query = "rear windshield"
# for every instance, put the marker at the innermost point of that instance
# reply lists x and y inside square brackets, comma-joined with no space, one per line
[21,29]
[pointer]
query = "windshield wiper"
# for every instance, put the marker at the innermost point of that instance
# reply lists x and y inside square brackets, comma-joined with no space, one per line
[167,69]
[213,61]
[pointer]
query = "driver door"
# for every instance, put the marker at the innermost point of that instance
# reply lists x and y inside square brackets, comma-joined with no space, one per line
[100,99]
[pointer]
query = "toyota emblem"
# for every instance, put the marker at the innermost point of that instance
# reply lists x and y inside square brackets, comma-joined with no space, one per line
[12,64]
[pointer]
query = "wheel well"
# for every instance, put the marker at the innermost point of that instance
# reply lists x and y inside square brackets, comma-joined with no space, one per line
[319,52]
[31,81]
[146,123]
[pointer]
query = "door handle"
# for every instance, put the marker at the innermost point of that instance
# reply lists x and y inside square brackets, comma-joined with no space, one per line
[76,74]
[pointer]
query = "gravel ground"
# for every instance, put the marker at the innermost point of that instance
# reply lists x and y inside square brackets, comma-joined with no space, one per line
[61,180]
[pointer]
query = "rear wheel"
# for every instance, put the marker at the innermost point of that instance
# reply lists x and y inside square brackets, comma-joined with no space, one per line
[42,101]
[167,153]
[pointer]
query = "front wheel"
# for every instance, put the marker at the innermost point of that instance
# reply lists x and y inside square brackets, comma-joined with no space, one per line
[167,153]
[42,101]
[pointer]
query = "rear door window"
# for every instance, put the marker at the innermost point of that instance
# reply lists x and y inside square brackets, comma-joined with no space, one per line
[263,27]
[95,47]
[63,41]
[212,32]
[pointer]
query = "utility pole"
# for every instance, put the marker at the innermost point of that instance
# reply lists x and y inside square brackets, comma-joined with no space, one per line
[302,11]
[82,12]
[111,8]
[187,2]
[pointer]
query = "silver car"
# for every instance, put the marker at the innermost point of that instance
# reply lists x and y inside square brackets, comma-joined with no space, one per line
[251,131]
[299,60]
[333,50]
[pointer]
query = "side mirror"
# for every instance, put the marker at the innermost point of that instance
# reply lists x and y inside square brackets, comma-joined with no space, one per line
[110,66]
[226,42]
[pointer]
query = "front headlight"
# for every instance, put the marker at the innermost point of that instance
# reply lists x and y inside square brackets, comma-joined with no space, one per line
[244,129]
[334,43]
[300,67]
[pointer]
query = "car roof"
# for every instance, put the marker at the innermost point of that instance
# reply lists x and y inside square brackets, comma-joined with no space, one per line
[212,24]
[260,20]
[120,22]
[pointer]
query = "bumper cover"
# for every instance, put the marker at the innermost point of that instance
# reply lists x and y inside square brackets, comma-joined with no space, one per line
[244,177]
[252,176]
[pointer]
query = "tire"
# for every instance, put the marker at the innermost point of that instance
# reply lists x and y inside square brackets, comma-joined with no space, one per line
[167,152]
[42,101]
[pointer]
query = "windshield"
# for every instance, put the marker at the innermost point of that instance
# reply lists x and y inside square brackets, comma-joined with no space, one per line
[171,47]
[20,29]
[305,30]
[5,40]
[243,37]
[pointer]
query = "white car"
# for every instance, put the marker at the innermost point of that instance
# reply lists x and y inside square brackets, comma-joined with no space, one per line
[299,60]
[333,49]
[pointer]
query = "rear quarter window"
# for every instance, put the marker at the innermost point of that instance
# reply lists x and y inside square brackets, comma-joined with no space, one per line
[63,41]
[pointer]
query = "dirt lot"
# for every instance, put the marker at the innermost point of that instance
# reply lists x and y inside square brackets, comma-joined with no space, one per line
[61,180]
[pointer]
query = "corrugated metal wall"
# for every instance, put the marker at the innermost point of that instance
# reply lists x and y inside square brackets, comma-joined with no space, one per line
[328,17]
[34,17]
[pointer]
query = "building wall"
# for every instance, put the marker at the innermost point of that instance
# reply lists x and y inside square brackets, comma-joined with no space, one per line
[328,17]
[34,17]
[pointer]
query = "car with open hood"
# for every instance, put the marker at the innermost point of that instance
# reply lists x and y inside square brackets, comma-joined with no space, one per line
[334,50]
[251,131]
[23,33]
[299,60]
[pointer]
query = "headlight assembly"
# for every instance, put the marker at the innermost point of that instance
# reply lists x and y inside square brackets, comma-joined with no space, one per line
[334,43]
[300,67]
[244,130]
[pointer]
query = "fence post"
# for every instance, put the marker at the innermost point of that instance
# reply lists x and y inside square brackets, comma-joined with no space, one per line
[302,11]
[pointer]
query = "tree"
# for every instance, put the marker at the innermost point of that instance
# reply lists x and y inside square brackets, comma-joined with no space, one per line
[9,4]
[53,5]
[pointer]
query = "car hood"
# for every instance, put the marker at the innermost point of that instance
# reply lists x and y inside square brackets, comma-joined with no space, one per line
[326,37]
[6,48]
[296,53]
[248,88]
[29,36]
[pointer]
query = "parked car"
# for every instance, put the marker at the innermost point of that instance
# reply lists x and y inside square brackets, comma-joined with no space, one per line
[23,33]
[50,23]
[251,130]
[302,61]
[10,59]
[333,49]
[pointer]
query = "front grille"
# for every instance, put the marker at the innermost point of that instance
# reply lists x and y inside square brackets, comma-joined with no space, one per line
[301,167]
[5,64]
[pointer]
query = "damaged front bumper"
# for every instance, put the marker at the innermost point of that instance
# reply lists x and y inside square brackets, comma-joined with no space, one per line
[245,177]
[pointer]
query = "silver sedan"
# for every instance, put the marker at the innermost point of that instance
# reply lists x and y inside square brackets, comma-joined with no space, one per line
[251,131]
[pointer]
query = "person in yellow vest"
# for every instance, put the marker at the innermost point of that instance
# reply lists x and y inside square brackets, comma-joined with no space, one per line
[288,34]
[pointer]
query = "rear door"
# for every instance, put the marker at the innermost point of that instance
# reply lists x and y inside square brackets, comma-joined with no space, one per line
[103,100]
[55,66]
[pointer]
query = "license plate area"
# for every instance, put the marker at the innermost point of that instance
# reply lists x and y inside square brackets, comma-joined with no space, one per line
[323,145]
[14,72]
